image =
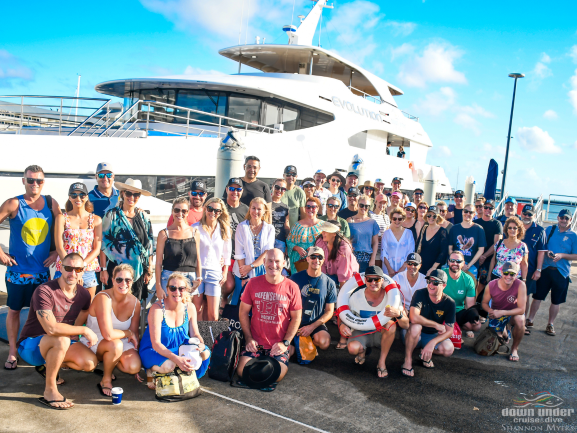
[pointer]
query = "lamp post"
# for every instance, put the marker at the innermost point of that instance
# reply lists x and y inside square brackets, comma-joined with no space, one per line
[516,76]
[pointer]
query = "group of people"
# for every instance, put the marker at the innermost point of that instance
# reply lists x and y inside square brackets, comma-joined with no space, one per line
[240,249]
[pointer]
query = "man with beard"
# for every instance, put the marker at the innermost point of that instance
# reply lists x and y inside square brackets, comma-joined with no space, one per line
[197,196]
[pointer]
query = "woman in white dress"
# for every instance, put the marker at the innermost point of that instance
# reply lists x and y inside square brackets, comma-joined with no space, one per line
[396,244]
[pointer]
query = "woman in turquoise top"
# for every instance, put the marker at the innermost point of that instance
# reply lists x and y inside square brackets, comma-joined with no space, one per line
[170,322]
[304,233]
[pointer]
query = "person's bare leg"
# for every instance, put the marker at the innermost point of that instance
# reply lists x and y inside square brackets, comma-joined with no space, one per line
[197,301]
[53,350]
[92,291]
[283,372]
[518,333]
[322,340]
[227,288]
[129,362]
[241,363]
[79,357]
[109,352]
[166,367]
[528,306]
[445,348]
[387,338]
[411,341]
[553,311]
[12,328]
[358,350]
[212,303]
[534,308]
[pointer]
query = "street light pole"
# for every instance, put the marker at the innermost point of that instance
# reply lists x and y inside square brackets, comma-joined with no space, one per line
[516,76]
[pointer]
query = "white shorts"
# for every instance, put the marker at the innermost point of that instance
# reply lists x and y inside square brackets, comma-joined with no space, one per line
[126,345]
[210,285]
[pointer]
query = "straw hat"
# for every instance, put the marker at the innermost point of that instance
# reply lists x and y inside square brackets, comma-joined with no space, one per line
[132,185]
[369,183]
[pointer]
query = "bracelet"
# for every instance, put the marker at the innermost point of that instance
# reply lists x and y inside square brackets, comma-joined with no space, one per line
[104,269]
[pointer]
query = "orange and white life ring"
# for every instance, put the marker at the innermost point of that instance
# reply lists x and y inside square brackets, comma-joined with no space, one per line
[378,321]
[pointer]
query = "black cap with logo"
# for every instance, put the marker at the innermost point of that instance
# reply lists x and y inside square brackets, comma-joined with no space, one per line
[78,186]
[414,257]
[198,185]
[290,169]
[437,275]
[353,190]
[529,209]
[234,181]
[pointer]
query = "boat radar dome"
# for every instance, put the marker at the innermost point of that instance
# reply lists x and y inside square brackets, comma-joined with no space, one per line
[289,28]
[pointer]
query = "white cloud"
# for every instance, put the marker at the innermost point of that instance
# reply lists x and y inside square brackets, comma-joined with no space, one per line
[468,122]
[352,20]
[573,93]
[573,53]
[536,140]
[475,109]
[12,70]
[437,103]
[441,152]
[542,71]
[401,29]
[190,70]
[550,114]
[402,50]
[545,58]
[435,65]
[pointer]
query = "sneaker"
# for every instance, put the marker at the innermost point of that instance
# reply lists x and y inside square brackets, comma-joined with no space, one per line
[549,330]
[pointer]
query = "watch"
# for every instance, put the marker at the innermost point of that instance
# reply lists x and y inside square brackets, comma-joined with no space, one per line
[538,270]
[400,316]
[252,265]
[286,343]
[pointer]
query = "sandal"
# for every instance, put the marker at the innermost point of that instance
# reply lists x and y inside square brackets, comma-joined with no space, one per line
[527,331]
[514,358]
[269,388]
[100,373]
[102,388]
[549,330]
[13,364]
[41,370]
[405,372]
[359,360]
[49,404]
[428,364]
[150,381]
[528,323]
[382,371]
[470,334]
[341,346]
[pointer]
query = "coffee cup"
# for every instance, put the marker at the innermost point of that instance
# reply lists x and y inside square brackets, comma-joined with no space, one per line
[117,395]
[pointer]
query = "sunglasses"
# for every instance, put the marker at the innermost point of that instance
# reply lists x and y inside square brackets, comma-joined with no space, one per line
[398,218]
[364,206]
[316,257]
[442,210]
[431,216]
[396,183]
[353,196]
[564,218]
[103,175]
[527,214]
[417,193]
[280,188]
[513,228]
[458,196]
[478,206]
[308,186]
[196,193]
[290,174]
[510,274]
[368,188]
[435,283]
[468,211]
[423,207]
[311,206]
[373,279]
[455,261]
[178,210]
[132,194]
[213,210]
[336,180]
[412,264]
[73,268]
[333,206]
[233,189]
[410,210]
[82,195]
[30,181]
[174,288]
[488,207]
[120,280]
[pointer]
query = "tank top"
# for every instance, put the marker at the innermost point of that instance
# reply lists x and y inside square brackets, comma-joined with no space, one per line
[79,241]
[179,254]
[92,322]
[504,300]
[170,337]
[30,237]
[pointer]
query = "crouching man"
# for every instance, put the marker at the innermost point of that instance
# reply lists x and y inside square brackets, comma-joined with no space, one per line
[367,303]
[505,302]
[432,319]
[49,338]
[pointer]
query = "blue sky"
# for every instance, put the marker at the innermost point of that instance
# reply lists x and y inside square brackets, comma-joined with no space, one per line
[450,58]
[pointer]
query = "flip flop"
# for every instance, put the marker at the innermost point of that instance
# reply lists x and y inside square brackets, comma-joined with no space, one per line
[514,358]
[427,364]
[100,373]
[13,364]
[404,371]
[48,403]
[382,371]
[359,360]
[341,346]
[241,384]
[527,331]
[41,370]
[270,388]
[102,388]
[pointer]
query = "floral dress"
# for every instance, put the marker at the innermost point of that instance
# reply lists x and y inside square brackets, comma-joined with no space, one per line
[504,254]
[79,241]
[303,237]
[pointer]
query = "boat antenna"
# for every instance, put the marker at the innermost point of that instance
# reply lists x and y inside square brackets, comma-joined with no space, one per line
[293,14]
[77,95]
[241,19]
[247,18]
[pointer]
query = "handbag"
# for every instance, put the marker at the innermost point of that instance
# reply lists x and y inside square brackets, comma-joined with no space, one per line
[301,265]
[457,337]
[176,385]
[305,349]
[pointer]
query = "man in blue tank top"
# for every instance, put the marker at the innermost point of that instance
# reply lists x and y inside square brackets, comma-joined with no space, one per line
[31,222]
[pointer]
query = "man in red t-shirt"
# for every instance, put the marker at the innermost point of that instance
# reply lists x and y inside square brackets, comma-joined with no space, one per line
[197,196]
[276,314]
[58,310]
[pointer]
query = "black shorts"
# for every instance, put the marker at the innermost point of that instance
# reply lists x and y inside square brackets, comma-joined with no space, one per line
[469,315]
[552,280]
[319,328]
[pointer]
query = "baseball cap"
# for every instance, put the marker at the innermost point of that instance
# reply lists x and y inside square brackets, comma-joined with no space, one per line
[315,250]
[320,171]
[565,212]
[374,270]
[433,209]
[411,204]
[396,194]
[490,202]
[510,267]
[459,191]
[396,179]
[352,173]
[380,198]
[438,275]
[418,190]
[353,190]
[104,166]
[308,181]
[198,185]
[379,180]
[414,257]
[511,200]
[234,181]
[290,169]
[77,186]
[529,209]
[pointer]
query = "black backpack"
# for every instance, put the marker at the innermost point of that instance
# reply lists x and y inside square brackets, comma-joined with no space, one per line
[225,356]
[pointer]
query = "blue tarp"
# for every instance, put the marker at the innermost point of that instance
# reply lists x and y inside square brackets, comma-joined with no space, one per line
[491,182]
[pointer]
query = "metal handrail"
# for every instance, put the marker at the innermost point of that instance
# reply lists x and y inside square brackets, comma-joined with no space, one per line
[500,207]
[106,104]
[54,97]
[574,220]
[120,117]
[539,211]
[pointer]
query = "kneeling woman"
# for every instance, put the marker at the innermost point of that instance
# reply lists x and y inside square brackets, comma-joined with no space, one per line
[171,322]
[114,317]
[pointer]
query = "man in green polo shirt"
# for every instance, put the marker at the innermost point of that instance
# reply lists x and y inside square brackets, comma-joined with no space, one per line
[294,197]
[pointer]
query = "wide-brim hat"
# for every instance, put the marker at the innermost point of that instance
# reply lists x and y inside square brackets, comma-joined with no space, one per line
[261,372]
[325,226]
[132,185]
[340,176]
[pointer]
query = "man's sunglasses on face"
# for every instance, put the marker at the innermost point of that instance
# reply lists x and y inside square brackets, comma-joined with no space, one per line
[335,180]
[510,274]
[77,269]
[311,206]
[31,180]
[412,264]
[478,206]
[103,175]
[564,218]
[455,261]
[488,207]
[316,257]
[373,279]
[467,211]
[197,193]
[435,283]
[233,189]
[458,196]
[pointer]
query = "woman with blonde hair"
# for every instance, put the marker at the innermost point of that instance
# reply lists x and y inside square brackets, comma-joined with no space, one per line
[171,322]
[78,230]
[215,245]
[114,316]
[396,244]
[254,237]
[364,234]
[304,233]
[178,249]
[511,249]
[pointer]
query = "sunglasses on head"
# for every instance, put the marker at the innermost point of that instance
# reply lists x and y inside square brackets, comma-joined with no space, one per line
[455,261]
[213,210]
[280,188]
[398,218]
[103,175]
[120,280]
[175,288]
[82,195]
[73,268]
[373,279]
[510,274]
[233,189]
[467,211]
[197,193]
[31,180]
[488,207]
[132,194]
[179,210]
[335,180]
[311,206]
[364,206]
[412,264]
[316,257]
[333,206]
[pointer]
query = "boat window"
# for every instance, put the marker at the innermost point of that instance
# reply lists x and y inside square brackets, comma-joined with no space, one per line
[289,118]
[271,114]
[310,118]
[159,114]
[210,102]
[245,109]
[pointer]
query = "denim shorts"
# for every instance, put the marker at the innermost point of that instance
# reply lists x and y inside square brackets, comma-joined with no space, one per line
[280,245]
[88,278]
[210,285]
[423,339]
[166,275]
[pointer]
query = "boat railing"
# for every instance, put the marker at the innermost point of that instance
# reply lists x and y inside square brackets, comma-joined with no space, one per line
[571,203]
[539,210]
[407,115]
[500,207]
